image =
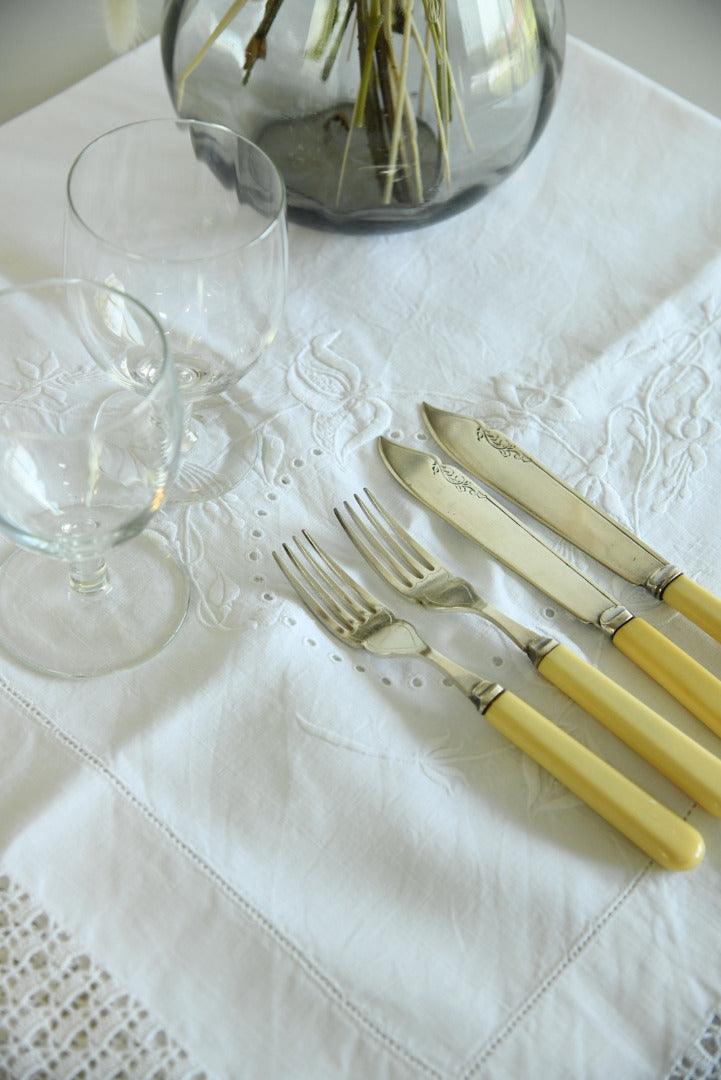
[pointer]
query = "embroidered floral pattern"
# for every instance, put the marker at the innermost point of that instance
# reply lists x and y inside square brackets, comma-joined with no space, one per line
[663,424]
[344,415]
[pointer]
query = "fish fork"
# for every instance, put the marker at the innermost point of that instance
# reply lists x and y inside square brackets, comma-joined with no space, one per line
[405,565]
[352,614]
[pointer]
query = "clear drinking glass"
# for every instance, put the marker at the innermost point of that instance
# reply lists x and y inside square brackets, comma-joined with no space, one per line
[90,429]
[190,218]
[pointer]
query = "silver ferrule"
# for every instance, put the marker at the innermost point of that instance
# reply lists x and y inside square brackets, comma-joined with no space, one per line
[614,618]
[484,693]
[540,647]
[660,578]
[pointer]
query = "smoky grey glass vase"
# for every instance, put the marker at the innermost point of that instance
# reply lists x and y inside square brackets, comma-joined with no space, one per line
[379,114]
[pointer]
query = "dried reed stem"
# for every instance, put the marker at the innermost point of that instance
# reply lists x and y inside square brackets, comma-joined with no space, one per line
[383,105]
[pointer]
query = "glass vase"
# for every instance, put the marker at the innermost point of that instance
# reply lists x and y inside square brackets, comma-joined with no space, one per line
[378,113]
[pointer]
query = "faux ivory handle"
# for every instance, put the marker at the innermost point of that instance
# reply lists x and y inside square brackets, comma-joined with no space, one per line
[689,682]
[696,603]
[689,765]
[649,824]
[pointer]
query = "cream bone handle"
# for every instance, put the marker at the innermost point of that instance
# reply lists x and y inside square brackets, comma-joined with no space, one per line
[676,755]
[687,680]
[696,603]
[655,829]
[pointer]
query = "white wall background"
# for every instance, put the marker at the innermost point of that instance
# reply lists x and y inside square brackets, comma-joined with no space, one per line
[47,44]
[675,42]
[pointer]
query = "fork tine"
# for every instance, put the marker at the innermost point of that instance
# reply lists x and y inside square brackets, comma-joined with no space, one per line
[396,560]
[321,611]
[339,604]
[387,569]
[424,555]
[369,603]
[427,560]
[326,596]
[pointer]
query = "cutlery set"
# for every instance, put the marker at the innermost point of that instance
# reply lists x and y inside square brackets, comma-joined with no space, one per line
[352,614]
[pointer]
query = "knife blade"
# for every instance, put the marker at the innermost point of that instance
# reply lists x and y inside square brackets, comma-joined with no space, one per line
[508,469]
[465,505]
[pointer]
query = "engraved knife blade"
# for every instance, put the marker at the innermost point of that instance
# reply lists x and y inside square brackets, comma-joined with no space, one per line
[508,469]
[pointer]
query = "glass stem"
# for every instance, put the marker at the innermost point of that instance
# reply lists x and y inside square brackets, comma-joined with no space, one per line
[190,437]
[89,576]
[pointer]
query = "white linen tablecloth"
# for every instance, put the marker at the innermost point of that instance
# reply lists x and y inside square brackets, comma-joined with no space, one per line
[262,855]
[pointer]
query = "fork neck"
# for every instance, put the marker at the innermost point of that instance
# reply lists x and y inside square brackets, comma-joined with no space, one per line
[479,691]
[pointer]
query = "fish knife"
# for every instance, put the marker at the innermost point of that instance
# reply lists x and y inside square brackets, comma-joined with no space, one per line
[465,505]
[508,469]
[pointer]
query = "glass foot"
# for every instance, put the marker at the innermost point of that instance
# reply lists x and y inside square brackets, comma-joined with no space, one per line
[219,453]
[53,628]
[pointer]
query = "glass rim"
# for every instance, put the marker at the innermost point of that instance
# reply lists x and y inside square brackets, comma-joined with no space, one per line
[184,122]
[167,366]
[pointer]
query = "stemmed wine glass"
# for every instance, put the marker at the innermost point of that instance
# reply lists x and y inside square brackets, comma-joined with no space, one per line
[90,429]
[191,218]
